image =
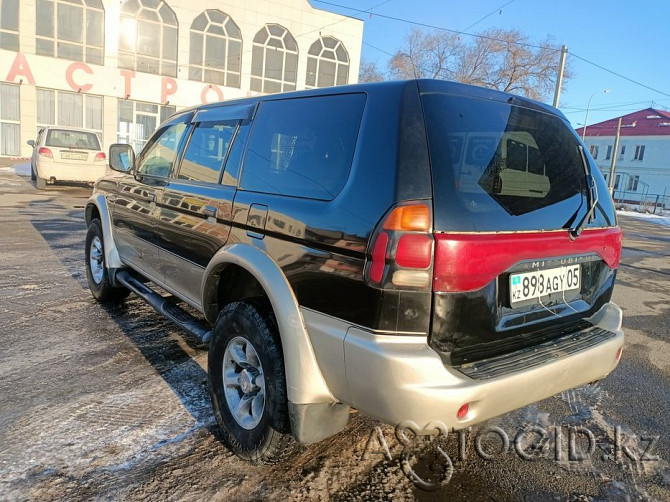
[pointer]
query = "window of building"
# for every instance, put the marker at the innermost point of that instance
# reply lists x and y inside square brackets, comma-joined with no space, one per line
[639,152]
[216,49]
[138,121]
[616,181]
[608,155]
[327,63]
[69,109]
[10,131]
[303,147]
[623,152]
[148,37]
[274,60]
[206,151]
[71,29]
[594,151]
[632,183]
[9,25]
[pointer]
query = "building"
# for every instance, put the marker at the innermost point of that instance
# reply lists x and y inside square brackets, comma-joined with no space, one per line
[643,157]
[120,67]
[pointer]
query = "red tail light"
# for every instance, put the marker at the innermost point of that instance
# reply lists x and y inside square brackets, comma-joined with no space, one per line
[468,262]
[45,152]
[100,156]
[401,256]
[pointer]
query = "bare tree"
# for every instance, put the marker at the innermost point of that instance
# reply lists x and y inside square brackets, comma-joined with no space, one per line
[426,55]
[369,72]
[498,59]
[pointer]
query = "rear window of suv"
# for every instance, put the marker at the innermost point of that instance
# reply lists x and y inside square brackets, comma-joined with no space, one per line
[303,147]
[501,167]
[62,138]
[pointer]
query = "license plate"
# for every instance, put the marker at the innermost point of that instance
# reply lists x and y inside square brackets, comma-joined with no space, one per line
[542,283]
[74,156]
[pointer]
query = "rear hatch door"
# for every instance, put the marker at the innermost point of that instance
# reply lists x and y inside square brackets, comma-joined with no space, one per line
[509,182]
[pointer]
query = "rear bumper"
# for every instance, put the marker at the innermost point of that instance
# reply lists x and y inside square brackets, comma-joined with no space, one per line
[400,378]
[71,172]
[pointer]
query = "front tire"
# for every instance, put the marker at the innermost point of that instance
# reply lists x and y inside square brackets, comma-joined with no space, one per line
[97,274]
[247,383]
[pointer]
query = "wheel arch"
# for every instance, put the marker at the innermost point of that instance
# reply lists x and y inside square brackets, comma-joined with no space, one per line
[305,383]
[96,207]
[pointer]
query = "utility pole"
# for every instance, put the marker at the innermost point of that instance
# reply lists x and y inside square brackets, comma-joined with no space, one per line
[614,156]
[561,71]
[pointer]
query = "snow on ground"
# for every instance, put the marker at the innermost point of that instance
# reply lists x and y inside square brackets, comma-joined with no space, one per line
[652,218]
[22,169]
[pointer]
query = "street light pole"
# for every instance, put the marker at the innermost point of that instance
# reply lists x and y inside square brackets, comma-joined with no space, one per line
[588,106]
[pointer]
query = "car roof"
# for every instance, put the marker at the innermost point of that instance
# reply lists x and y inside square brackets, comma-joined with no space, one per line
[67,128]
[423,86]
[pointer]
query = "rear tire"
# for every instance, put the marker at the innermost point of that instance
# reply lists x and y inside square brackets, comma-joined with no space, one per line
[97,273]
[251,406]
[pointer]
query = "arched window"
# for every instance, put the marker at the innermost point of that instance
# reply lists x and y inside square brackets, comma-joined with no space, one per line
[274,60]
[327,63]
[148,37]
[216,49]
[71,29]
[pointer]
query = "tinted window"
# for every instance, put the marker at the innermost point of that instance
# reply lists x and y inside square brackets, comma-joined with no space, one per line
[61,138]
[303,147]
[206,151]
[503,167]
[160,153]
[232,170]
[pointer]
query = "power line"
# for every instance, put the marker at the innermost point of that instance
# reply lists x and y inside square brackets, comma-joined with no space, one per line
[499,9]
[440,28]
[618,74]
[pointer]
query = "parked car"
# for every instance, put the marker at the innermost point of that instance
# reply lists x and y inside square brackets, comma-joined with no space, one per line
[64,154]
[363,246]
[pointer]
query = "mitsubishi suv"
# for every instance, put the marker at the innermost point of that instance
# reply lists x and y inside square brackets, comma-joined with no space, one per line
[422,251]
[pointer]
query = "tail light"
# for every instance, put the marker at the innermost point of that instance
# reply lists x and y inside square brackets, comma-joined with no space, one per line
[401,254]
[468,262]
[45,152]
[100,156]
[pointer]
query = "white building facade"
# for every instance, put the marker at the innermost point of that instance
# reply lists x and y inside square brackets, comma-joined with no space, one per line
[121,67]
[642,174]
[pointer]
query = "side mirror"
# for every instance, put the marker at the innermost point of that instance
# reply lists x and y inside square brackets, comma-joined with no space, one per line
[31,142]
[121,157]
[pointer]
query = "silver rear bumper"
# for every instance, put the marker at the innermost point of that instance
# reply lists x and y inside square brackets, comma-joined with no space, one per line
[400,378]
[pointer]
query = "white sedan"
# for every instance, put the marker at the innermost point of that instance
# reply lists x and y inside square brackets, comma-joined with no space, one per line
[63,154]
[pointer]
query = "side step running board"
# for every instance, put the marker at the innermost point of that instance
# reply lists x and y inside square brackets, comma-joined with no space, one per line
[165,307]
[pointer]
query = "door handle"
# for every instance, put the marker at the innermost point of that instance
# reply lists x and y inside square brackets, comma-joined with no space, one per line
[209,211]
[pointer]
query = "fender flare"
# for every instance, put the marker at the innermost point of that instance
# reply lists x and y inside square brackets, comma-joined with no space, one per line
[305,383]
[112,259]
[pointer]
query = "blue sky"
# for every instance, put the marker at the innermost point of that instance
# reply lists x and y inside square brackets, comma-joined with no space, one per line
[631,38]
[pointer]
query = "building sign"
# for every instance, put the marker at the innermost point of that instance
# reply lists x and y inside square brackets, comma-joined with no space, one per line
[125,84]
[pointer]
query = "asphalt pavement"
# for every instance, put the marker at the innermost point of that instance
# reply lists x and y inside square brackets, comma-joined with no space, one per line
[105,403]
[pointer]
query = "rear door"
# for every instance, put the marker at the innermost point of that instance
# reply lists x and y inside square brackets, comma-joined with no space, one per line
[71,147]
[135,215]
[508,184]
[196,208]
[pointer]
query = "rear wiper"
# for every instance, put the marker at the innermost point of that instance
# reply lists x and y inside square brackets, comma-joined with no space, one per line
[591,197]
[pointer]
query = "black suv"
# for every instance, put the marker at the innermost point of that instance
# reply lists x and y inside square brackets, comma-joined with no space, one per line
[423,251]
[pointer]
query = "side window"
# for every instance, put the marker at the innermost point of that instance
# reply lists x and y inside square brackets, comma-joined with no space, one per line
[232,171]
[206,151]
[160,153]
[303,147]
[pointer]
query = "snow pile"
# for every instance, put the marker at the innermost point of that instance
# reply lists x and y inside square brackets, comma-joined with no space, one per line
[651,218]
